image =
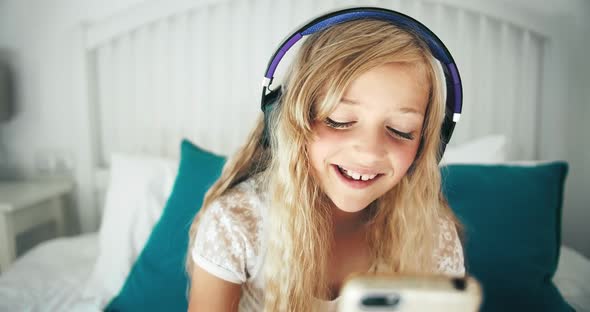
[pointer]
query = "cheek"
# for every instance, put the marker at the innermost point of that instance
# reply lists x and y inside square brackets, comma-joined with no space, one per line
[323,145]
[408,153]
[405,154]
[327,135]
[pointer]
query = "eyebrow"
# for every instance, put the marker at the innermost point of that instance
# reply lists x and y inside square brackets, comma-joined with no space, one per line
[409,110]
[405,110]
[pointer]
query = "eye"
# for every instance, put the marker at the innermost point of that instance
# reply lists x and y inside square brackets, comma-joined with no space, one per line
[337,125]
[402,135]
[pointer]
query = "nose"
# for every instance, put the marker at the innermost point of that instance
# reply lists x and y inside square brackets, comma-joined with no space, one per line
[370,145]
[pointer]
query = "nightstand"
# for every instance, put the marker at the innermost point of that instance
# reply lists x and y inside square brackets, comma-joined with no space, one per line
[26,204]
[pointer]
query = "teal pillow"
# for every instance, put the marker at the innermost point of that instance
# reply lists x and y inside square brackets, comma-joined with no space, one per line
[157,281]
[512,219]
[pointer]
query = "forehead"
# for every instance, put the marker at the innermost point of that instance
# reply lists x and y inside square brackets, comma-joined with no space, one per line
[400,87]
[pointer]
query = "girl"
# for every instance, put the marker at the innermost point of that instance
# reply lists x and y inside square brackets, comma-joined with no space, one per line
[350,181]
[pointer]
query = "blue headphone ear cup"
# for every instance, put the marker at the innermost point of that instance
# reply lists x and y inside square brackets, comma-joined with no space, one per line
[446,132]
[448,125]
[269,101]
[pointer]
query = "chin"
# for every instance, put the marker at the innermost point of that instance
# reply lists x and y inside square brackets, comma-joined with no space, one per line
[350,205]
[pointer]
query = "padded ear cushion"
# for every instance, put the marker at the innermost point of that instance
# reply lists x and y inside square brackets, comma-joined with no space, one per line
[448,127]
[269,101]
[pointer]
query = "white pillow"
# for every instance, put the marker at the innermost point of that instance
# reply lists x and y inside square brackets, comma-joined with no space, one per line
[485,150]
[138,189]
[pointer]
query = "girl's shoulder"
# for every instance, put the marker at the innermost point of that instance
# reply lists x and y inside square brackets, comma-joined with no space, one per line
[228,239]
[247,198]
[449,250]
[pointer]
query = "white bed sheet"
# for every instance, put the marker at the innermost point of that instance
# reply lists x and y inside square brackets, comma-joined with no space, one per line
[573,279]
[53,277]
[50,277]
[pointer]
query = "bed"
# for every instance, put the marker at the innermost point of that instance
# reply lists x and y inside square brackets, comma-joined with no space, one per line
[161,71]
[48,278]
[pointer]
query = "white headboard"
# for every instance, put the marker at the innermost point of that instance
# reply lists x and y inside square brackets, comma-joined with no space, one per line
[165,70]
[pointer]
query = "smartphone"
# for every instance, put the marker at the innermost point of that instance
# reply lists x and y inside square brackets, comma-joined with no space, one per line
[404,292]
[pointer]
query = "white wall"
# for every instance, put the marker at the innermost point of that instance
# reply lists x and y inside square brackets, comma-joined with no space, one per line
[576,230]
[40,40]
[40,37]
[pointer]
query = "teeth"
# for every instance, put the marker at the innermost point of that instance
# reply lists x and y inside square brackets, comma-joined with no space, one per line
[357,176]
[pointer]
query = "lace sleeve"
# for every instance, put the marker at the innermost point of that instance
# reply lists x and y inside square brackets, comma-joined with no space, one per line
[225,243]
[449,253]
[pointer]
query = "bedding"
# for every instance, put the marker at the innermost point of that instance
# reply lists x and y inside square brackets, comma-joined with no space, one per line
[62,274]
[573,279]
[138,188]
[48,277]
[490,149]
[511,216]
[53,284]
[162,260]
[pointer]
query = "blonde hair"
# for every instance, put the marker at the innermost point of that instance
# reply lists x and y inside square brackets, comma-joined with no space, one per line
[403,233]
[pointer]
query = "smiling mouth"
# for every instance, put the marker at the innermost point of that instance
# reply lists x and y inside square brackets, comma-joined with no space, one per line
[354,176]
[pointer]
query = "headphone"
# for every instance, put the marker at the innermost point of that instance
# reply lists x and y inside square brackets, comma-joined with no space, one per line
[437,48]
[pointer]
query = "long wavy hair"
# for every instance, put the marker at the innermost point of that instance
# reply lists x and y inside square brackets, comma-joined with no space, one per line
[403,223]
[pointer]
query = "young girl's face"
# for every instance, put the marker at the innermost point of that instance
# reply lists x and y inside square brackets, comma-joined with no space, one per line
[368,143]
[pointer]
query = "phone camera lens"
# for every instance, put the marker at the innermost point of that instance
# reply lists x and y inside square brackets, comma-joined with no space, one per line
[459,283]
[390,300]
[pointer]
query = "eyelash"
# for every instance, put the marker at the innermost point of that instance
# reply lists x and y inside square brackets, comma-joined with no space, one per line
[337,125]
[343,125]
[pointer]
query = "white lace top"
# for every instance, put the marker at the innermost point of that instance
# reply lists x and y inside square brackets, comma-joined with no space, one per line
[229,244]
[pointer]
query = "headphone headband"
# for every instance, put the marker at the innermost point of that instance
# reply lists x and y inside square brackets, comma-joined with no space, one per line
[437,48]
[454,88]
